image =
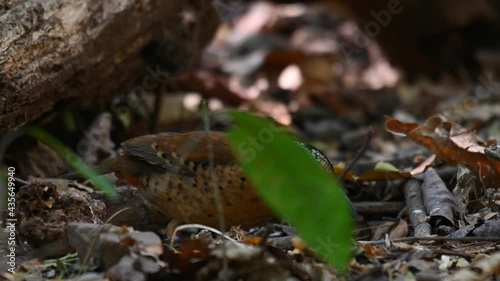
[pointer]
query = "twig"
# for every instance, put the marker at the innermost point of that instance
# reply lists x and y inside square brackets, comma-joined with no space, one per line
[452,253]
[218,202]
[479,193]
[437,239]
[376,207]
[211,160]
[155,116]
[358,154]
[23,182]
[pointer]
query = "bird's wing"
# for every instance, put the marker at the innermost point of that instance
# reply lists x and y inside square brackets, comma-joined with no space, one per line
[175,151]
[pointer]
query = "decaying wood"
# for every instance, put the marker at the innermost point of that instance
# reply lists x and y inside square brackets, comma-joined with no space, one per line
[57,52]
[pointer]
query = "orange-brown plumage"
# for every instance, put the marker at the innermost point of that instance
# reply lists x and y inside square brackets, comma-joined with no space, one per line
[172,172]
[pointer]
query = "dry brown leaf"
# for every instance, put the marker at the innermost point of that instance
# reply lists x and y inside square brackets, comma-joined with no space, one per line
[381,172]
[491,216]
[382,230]
[252,241]
[193,251]
[452,143]
[440,204]
[399,231]
[374,250]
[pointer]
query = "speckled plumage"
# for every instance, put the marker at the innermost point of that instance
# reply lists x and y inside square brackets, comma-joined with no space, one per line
[173,174]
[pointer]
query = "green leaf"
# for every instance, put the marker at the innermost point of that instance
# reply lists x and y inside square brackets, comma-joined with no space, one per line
[385,167]
[62,268]
[73,160]
[294,185]
[69,156]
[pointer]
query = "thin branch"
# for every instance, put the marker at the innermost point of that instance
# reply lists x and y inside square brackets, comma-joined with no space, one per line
[358,155]
[213,176]
[437,239]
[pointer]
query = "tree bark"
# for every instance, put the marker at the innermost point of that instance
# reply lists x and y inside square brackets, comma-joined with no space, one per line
[55,52]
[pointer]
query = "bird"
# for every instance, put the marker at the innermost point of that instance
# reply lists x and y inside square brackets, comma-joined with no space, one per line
[177,173]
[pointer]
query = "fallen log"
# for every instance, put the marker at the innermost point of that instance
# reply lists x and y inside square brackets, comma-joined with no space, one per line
[59,52]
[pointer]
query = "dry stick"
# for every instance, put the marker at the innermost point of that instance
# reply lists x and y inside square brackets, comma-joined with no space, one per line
[21,181]
[418,216]
[211,160]
[440,251]
[218,203]
[402,213]
[376,207]
[436,239]
[481,181]
[358,155]
[155,117]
